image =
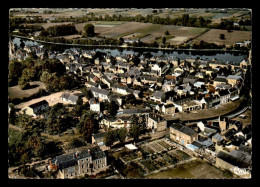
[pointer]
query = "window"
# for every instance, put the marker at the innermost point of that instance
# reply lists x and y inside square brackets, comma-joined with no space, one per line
[82,166]
[67,176]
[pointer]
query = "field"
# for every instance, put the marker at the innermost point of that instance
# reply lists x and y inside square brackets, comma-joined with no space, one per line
[212,36]
[147,32]
[196,169]
[172,13]
[16,92]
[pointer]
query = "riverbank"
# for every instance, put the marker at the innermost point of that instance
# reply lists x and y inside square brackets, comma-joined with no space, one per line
[130,47]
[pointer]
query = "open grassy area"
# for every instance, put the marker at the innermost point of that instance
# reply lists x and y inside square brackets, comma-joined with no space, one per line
[16,92]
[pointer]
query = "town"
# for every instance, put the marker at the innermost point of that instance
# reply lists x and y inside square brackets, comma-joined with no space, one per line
[95,115]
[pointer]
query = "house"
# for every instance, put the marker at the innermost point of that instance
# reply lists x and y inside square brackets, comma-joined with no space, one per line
[223,123]
[156,122]
[79,163]
[222,87]
[182,134]
[137,111]
[237,125]
[158,107]
[168,109]
[234,93]
[137,93]
[234,79]
[36,108]
[90,84]
[216,64]
[212,101]
[175,61]
[229,134]
[183,89]
[178,101]
[101,94]
[120,88]
[106,81]
[224,96]
[94,105]
[69,98]
[98,138]
[190,106]
[158,96]
[217,138]
[107,121]
[168,85]
[219,80]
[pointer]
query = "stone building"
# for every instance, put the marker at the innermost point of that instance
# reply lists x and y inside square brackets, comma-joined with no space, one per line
[182,134]
[81,162]
[156,123]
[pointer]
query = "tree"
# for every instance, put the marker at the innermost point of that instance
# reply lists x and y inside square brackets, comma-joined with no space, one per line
[163,40]
[88,94]
[110,137]
[87,126]
[222,36]
[15,72]
[76,143]
[89,30]
[36,145]
[134,131]
[22,44]
[44,33]
[79,101]
[23,83]
[121,134]
[112,108]
[121,40]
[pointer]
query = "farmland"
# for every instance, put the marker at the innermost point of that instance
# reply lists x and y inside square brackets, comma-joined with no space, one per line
[212,36]
[147,32]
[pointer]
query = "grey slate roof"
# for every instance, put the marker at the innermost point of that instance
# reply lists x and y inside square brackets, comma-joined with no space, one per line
[217,137]
[40,103]
[102,91]
[73,98]
[183,129]
[159,94]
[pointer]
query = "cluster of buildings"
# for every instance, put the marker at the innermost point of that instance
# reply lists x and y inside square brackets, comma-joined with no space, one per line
[228,143]
[164,86]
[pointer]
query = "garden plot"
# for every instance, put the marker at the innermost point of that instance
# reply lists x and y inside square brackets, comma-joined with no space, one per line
[157,146]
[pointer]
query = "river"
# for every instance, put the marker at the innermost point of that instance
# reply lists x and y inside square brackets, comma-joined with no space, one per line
[235,57]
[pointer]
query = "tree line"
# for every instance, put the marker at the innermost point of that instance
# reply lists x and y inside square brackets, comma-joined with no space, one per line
[184,20]
[61,30]
[49,71]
